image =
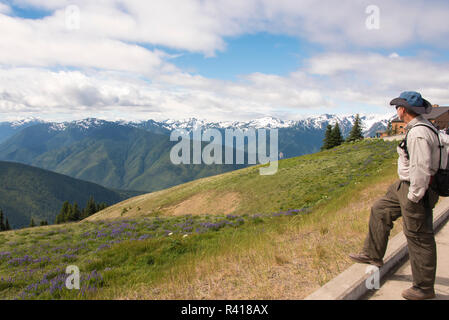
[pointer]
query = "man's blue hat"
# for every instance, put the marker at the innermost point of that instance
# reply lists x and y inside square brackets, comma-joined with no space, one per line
[412,100]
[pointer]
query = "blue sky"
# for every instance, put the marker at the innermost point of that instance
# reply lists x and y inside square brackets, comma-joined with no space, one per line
[221,60]
[27,12]
[261,52]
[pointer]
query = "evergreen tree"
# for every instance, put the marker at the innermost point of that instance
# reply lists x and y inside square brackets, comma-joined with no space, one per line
[32,223]
[7,226]
[68,214]
[91,207]
[102,206]
[76,213]
[83,213]
[327,138]
[64,213]
[336,137]
[356,131]
[2,224]
[60,216]
[44,223]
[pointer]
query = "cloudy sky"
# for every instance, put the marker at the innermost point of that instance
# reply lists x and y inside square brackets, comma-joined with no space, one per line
[218,59]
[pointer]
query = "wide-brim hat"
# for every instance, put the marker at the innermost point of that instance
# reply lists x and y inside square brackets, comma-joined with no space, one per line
[413,101]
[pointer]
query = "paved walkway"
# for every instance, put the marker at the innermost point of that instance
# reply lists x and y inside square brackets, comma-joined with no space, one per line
[402,278]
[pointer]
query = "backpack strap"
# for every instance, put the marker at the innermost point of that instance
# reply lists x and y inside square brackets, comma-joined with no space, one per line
[403,143]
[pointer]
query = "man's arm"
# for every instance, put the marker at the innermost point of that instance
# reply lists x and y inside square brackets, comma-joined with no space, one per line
[420,166]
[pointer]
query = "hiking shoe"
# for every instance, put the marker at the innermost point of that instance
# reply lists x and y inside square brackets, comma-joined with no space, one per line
[363,258]
[415,293]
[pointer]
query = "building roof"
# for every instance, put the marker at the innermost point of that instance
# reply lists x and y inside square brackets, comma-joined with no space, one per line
[435,113]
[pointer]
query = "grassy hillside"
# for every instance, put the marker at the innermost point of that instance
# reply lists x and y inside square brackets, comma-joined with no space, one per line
[300,182]
[27,192]
[287,235]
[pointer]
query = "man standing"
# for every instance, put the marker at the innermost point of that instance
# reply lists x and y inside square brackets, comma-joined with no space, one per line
[409,197]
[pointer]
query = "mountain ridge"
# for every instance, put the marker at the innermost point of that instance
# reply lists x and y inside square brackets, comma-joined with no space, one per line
[112,155]
[30,192]
[193,123]
[136,155]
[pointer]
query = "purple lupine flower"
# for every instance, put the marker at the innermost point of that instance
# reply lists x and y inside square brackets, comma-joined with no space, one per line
[26,259]
[5,255]
[103,246]
[145,236]
[69,257]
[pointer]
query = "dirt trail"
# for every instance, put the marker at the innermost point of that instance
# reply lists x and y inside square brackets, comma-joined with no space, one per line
[206,203]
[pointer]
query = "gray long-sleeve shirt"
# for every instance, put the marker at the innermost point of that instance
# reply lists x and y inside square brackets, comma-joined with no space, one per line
[424,158]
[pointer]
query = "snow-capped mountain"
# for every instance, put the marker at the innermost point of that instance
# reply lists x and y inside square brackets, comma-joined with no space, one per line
[370,123]
[316,124]
[25,122]
[8,129]
[193,124]
[83,125]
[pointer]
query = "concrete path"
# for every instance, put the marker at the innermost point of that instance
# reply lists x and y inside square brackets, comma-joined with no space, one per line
[402,278]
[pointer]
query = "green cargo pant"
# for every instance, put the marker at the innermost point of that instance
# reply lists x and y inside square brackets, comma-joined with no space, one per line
[417,226]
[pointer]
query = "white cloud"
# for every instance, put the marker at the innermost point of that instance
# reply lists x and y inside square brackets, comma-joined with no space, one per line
[116,75]
[4,8]
[374,78]
[201,26]
[369,80]
[111,28]
[35,43]
[394,55]
[400,71]
[74,94]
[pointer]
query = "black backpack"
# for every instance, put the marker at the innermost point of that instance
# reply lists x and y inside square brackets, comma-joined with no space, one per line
[440,181]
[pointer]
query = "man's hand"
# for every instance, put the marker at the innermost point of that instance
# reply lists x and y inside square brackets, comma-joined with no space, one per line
[413,198]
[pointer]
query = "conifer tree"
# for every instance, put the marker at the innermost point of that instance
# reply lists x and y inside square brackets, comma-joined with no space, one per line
[7,226]
[2,224]
[60,217]
[91,207]
[75,214]
[327,138]
[32,223]
[356,131]
[64,213]
[102,206]
[83,213]
[336,137]
[68,214]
